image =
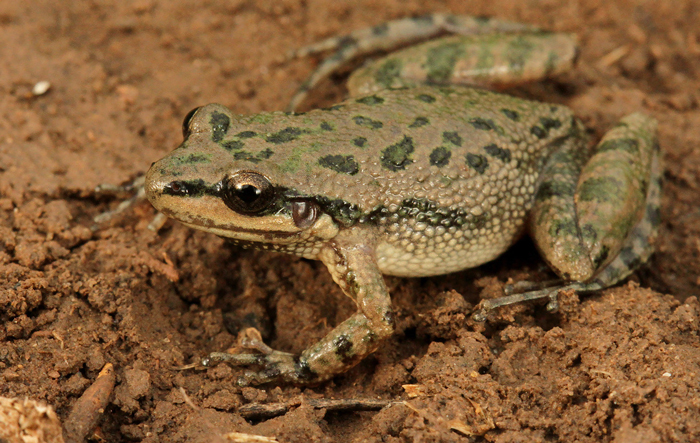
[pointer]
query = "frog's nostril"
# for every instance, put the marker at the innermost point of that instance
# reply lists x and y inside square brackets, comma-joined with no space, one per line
[176,188]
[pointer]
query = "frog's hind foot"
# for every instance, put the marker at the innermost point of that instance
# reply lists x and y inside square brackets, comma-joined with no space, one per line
[551,293]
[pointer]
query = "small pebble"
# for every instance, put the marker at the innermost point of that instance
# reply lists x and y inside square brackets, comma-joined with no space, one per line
[41,88]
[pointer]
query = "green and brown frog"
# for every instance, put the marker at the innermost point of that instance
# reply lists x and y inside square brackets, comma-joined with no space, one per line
[421,172]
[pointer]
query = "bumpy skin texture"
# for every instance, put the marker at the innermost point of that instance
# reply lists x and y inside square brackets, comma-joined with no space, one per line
[441,178]
[416,181]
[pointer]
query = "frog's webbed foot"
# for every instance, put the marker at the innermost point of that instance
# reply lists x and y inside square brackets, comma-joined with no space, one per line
[138,193]
[391,35]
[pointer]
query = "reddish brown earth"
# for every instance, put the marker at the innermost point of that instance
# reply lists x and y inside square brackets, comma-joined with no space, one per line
[621,365]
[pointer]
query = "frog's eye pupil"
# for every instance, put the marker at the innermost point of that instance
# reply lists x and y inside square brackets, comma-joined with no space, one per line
[247,192]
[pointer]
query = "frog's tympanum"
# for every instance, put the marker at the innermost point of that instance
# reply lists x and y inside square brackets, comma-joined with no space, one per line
[422,172]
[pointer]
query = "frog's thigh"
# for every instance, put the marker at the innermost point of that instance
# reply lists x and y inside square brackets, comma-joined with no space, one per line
[581,235]
[488,60]
[392,35]
[354,268]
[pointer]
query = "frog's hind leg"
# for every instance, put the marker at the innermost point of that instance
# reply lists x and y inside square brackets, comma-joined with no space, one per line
[598,249]
[392,35]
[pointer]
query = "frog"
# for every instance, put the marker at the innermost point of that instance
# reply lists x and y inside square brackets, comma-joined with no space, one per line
[421,171]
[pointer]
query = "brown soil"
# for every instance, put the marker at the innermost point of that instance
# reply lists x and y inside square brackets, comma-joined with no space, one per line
[621,365]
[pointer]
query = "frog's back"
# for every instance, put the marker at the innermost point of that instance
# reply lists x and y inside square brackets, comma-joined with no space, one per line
[452,146]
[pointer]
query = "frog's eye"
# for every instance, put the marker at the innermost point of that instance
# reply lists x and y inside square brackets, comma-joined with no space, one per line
[247,192]
[186,122]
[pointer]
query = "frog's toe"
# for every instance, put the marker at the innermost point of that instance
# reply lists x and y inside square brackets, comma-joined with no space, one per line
[550,292]
[275,366]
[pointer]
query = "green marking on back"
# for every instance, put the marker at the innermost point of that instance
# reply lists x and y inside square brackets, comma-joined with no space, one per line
[440,156]
[419,122]
[344,164]
[452,137]
[397,156]
[232,145]
[387,72]
[219,126]
[370,100]
[367,122]
[441,62]
[285,135]
[192,158]
[477,162]
[601,189]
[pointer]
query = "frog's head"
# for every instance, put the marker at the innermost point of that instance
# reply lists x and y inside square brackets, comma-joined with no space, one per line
[222,180]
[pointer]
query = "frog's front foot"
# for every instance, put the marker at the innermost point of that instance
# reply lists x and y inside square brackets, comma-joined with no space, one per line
[276,366]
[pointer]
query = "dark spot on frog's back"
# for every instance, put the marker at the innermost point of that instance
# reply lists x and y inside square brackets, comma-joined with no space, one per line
[440,156]
[425,98]
[367,122]
[550,123]
[254,158]
[513,115]
[397,156]
[370,100]
[233,145]
[246,134]
[344,164]
[477,162]
[483,124]
[419,122]
[192,158]
[219,125]
[285,135]
[499,153]
[325,126]
[538,132]
[360,142]
[452,137]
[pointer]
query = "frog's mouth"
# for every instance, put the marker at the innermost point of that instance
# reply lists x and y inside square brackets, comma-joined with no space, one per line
[200,206]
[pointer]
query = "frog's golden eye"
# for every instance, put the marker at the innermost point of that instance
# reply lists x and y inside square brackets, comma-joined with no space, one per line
[186,122]
[247,192]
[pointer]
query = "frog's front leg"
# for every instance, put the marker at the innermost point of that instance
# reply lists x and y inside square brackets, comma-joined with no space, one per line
[352,264]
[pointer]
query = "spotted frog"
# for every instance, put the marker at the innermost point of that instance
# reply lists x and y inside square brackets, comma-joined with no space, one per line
[422,172]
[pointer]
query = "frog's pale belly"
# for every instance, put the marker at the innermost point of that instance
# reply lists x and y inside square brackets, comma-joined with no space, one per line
[436,250]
